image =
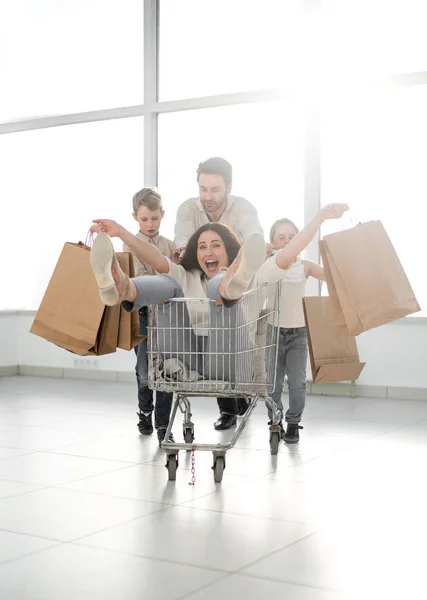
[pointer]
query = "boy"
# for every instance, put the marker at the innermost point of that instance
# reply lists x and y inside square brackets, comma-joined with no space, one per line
[148,213]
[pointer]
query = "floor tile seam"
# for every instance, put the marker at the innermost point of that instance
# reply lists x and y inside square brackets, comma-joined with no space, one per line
[271,554]
[237,514]
[147,557]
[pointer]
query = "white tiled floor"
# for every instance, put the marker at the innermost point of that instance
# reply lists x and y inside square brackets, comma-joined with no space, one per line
[86,511]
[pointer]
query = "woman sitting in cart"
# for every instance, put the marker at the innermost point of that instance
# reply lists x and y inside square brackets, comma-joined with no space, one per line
[213,266]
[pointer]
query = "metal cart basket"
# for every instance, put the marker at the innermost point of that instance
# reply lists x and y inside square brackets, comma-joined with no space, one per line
[198,347]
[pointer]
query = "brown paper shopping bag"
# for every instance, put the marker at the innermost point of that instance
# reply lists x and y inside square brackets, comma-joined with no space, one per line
[333,353]
[106,339]
[362,267]
[71,311]
[108,332]
[128,336]
[337,291]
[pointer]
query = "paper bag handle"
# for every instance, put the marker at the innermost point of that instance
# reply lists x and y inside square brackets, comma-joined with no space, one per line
[89,239]
[351,218]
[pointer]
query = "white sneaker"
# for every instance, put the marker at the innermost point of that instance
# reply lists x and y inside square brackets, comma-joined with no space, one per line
[112,282]
[243,268]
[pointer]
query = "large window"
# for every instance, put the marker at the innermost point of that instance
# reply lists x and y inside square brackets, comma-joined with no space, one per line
[53,183]
[374,153]
[261,141]
[68,56]
[210,47]
[366,38]
[347,123]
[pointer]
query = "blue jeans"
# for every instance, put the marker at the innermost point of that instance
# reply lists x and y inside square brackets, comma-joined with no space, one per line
[152,290]
[292,362]
[163,407]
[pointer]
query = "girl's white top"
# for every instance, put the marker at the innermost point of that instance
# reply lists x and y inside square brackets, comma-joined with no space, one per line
[293,280]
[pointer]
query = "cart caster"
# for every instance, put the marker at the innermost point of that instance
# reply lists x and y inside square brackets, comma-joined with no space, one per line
[188,435]
[218,468]
[172,465]
[274,442]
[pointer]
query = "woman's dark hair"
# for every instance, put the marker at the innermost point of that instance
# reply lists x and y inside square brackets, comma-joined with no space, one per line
[232,245]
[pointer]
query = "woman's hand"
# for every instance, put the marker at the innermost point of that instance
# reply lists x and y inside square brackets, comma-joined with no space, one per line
[112,228]
[96,228]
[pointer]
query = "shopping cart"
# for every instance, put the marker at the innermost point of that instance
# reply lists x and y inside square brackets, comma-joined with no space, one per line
[197,347]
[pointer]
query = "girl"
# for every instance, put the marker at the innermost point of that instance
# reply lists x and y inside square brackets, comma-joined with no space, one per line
[293,349]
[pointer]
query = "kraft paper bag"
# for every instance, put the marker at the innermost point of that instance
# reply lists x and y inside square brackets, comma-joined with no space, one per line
[71,311]
[128,335]
[333,353]
[366,281]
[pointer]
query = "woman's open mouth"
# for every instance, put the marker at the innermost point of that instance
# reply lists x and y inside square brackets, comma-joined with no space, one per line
[211,266]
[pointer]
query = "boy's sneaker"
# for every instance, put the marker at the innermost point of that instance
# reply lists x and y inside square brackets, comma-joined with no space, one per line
[145,424]
[292,433]
[240,273]
[161,434]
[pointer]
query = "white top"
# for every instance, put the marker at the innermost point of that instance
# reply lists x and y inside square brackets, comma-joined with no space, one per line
[194,286]
[291,312]
[165,246]
[239,214]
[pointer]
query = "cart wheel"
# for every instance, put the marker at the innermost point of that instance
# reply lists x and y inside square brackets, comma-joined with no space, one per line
[218,468]
[171,466]
[188,435]
[274,442]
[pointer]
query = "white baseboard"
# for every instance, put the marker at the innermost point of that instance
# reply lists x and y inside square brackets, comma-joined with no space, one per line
[352,390]
[9,371]
[69,373]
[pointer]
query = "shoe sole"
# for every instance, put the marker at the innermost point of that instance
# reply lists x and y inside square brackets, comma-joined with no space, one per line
[241,272]
[145,431]
[225,428]
[101,259]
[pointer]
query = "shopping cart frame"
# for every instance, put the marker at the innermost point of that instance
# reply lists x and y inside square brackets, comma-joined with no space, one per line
[253,353]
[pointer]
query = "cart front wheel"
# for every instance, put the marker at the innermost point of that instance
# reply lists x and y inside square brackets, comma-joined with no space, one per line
[172,465]
[218,468]
[274,442]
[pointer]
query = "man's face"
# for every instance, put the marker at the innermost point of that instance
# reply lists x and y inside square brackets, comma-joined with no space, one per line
[213,192]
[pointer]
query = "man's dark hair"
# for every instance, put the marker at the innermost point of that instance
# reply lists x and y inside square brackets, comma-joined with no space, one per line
[216,166]
[232,245]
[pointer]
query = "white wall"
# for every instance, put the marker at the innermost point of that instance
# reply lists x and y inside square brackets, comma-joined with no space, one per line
[36,351]
[396,354]
[8,339]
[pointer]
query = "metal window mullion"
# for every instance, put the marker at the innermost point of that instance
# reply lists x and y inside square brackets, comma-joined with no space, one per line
[274,94]
[311,143]
[71,119]
[151,86]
